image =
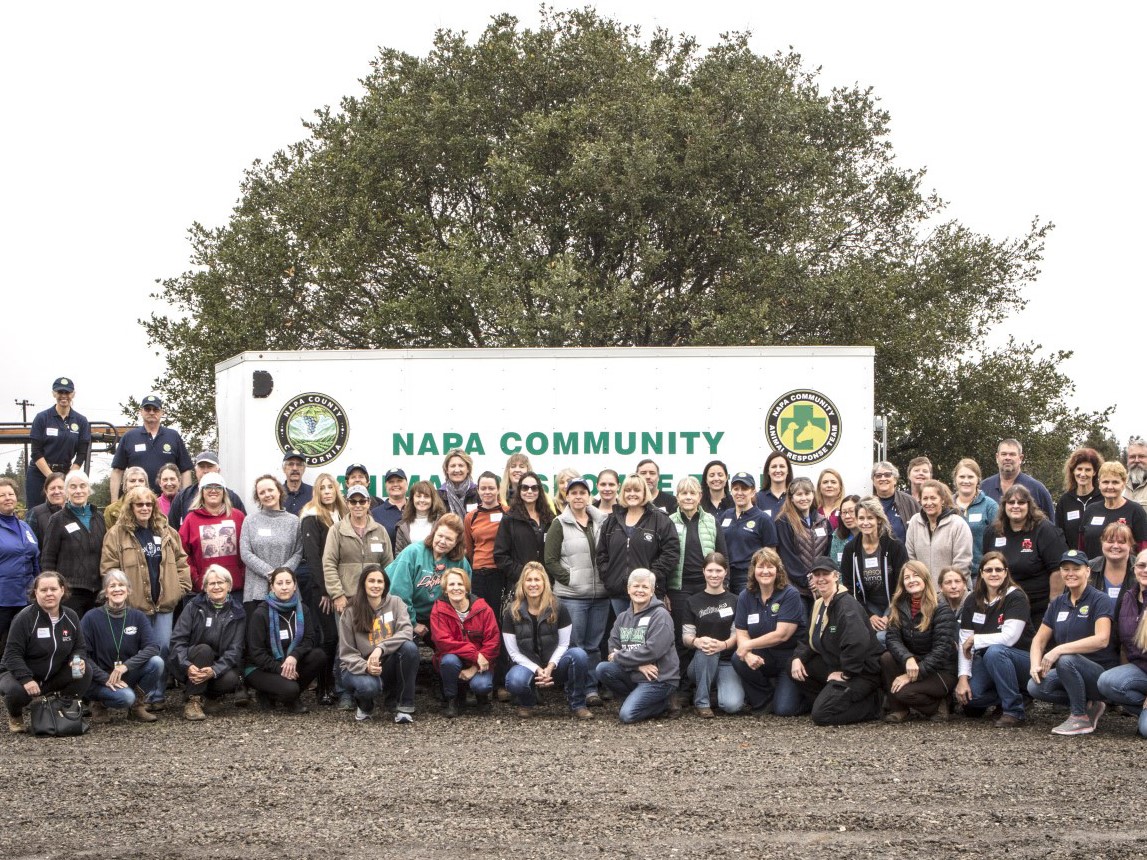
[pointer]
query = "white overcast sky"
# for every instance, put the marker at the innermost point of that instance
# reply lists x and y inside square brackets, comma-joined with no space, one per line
[125,122]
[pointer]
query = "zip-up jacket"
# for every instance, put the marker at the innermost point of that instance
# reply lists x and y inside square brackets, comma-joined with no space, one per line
[345,554]
[222,628]
[37,649]
[19,560]
[478,634]
[74,551]
[891,557]
[571,555]
[934,648]
[123,552]
[847,641]
[258,635]
[947,545]
[652,545]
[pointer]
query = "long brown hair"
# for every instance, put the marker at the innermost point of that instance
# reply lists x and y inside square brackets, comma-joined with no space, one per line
[981,592]
[928,601]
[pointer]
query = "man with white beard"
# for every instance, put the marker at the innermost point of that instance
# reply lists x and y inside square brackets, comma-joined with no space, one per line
[1136,488]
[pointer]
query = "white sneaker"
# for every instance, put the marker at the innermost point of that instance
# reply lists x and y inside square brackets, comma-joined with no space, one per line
[361,716]
[402,718]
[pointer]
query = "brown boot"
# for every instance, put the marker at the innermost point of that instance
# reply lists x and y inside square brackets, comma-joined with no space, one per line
[139,711]
[582,714]
[193,708]
[16,724]
[99,714]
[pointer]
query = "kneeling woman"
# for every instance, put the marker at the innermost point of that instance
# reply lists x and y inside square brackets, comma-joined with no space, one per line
[919,667]
[282,657]
[376,647]
[466,641]
[124,653]
[207,643]
[643,668]
[839,665]
[43,641]
[537,638]
[1126,685]
[707,629]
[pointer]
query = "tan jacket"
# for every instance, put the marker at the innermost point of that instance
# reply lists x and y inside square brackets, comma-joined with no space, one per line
[345,554]
[122,550]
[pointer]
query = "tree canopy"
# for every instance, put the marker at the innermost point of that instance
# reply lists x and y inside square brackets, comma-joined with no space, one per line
[580,185]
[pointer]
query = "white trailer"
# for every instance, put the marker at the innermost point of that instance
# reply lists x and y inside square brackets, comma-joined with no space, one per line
[589,409]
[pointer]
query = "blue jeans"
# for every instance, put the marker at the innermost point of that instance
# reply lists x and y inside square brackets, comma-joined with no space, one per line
[449,668]
[570,673]
[364,688]
[161,624]
[703,668]
[146,677]
[997,675]
[642,700]
[1126,685]
[619,604]
[738,579]
[771,686]
[589,618]
[1071,682]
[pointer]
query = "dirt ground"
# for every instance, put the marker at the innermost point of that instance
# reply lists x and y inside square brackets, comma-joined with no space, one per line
[257,785]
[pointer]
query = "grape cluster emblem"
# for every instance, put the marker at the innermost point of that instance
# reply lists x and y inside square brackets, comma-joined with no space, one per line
[315,425]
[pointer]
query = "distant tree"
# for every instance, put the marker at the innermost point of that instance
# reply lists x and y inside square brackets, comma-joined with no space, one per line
[577,185]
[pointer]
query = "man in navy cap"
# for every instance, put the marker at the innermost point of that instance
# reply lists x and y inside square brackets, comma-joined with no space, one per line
[357,475]
[61,439]
[149,446]
[389,513]
[299,494]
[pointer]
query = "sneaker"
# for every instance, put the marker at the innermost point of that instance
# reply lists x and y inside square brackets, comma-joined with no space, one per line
[346,702]
[1095,711]
[1007,721]
[361,716]
[402,718]
[100,714]
[193,709]
[582,714]
[16,724]
[1076,724]
[705,713]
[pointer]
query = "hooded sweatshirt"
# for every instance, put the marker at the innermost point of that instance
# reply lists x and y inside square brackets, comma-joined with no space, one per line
[644,637]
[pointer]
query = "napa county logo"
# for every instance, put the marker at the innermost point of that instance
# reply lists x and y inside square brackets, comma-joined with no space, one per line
[805,425]
[315,425]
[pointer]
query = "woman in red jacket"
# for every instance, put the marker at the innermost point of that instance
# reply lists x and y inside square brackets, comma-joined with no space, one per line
[466,642]
[210,534]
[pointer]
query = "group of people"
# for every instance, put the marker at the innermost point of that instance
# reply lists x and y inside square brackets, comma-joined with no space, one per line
[789,598]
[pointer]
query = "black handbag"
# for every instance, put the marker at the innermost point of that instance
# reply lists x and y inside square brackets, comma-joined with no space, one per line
[58,716]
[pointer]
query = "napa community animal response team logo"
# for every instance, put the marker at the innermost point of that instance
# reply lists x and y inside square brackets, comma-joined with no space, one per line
[804,425]
[315,425]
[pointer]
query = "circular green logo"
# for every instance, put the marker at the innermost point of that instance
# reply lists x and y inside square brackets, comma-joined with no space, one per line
[315,425]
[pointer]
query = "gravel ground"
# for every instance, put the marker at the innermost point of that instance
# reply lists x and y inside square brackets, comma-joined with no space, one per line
[254,785]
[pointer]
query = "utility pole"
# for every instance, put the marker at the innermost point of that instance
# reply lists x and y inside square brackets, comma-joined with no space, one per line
[24,404]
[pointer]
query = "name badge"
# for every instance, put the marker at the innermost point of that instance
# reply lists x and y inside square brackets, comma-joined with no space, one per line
[376,547]
[978,618]
[768,513]
[388,617]
[1072,515]
[725,523]
[140,447]
[1062,616]
[643,622]
[1113,593]
[472,507]
[870,563]
[1001,541]
[207,622]
[157,538]
[43,633]
[975,518]
[725,611]
[53,431]
[284,634]
[72,528]
[1098,521]
[819,531]
[265,533]
[755,618]
[496,518]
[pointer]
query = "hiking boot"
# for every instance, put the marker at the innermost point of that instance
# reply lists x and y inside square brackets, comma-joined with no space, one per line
[1076,724]
[1007,721]
[674,705]
[943,712]
[16,724]
[100,714]
[450,709]
[523,712]
[242,698]
[212,705]
[503,695]
[296,707]
[139,711]
[264,701]
[705,713]
[482,702]
[896,717]
[193,708]
[582,714]
[593,700]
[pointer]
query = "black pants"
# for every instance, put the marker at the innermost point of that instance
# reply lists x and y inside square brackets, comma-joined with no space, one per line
[274,684]
[838,703]
[677,602]
[7,613]
[203,657]
[923,695]
[16,698]
[80,601]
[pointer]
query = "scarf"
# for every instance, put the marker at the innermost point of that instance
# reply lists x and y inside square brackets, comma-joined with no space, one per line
[456,495]
[275,608]
[84,515]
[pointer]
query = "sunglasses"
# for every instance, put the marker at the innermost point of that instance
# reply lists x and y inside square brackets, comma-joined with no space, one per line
[357,501]
[529,488]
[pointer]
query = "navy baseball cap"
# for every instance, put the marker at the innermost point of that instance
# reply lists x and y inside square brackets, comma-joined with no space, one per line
[356,467]
[64,384]
[1074,556]
[577,482]
[743,478]
[151,400]
[394,473]
[207,457]
[292,454]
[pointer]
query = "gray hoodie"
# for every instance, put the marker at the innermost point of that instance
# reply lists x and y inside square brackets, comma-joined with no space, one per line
[646,637]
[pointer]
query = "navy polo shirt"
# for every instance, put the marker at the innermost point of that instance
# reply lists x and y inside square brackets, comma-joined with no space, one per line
[59,440]
[757,618]
[388,516]
[296,501]
[899,527]
[1070,622]
[745,534]
[138,448]
[769,503]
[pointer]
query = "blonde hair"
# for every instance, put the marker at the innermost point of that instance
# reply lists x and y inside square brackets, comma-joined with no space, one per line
[549,601]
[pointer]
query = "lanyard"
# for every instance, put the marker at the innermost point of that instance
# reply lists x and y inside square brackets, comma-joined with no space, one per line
[122,626]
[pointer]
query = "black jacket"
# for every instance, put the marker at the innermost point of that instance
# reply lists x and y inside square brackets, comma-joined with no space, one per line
[314,534]
[259,653]
[653,545]
[519,540]
[74,551]
[225,634]
[934,648]
[892,557]
[30,656]
[848,643]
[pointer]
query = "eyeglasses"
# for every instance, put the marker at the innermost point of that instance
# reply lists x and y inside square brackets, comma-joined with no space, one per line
[992,569]
[142,505]
[529,488]
[1019,503]
[882,474]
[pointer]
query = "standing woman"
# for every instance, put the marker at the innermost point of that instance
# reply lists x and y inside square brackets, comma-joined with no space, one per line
[1032,546]
[846,530]
[937,535]
[870,562]
[1072,648]
[571,562]
[19,558]
[73,542]
[1127,684]
[1080,492]
[639,536]
[561,480]
[839,664]
[271,539]
[43,641]
[133,476]
[282,657]
[169,482]
[747,529]
[480,531]
[356,540]
[522,533]
[458,491]
[466,641]
[802,533]
[1115,508]
[608,483]
[516,467]
[775,482]
[829,492]
[54,497]
[419,515]
[211,532]
[325,508]
[699,536]
[1112,572]
[150,554]
[978,510]
[715,494]
[919,667]
[995,637]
